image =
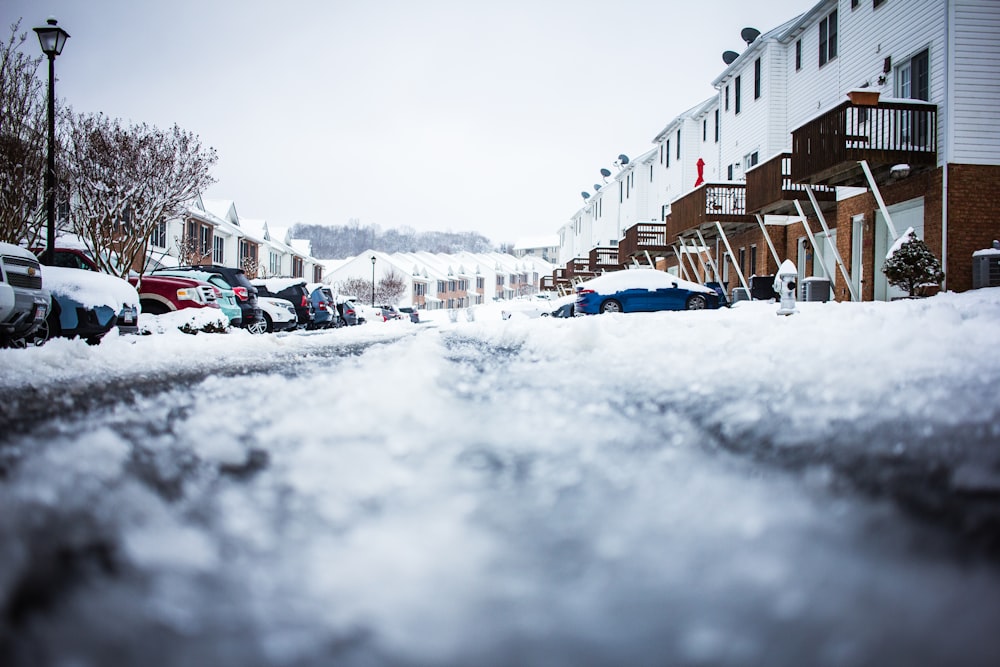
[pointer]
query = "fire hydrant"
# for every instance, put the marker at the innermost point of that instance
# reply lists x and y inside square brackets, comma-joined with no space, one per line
[784,285]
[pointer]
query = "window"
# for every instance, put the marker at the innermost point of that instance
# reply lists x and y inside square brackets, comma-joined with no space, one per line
[751,160]
[913,78]
[753,260]
[716,126]
[218,250]
[743,260]
[678,143]
[729,172]
[828,38]
[668,153]
[877,3]
[727,98]
[274,263]
[206,240]
[704,129]
[736,92]
[855,3]
[159,236]
[798,55]
[756,79]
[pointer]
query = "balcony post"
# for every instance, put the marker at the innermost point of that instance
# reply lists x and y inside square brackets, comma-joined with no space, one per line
[715,267]
[836,251]
[767,237]
[680,263]
[878,198]
[827,273]
[732,257]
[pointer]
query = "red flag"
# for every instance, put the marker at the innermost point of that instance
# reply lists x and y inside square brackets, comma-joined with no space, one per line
[701,173]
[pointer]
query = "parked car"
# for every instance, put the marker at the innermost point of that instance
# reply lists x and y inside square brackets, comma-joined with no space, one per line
[246,294]
[526,307]
[88,304]
[157,294]
[642,290]
[224,294]
[565,306]
[324,313]
[347,309]
[279,314]
[24,303]
[290,289]
[412,313]
[388,312]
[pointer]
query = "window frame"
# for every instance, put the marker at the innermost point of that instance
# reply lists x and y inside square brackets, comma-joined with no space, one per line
[757,79]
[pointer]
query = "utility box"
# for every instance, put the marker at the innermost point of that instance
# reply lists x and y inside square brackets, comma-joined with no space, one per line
[740,294]
[986,268]
[762,288]
[816,289]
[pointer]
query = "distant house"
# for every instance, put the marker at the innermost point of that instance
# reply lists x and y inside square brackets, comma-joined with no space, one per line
[546,247]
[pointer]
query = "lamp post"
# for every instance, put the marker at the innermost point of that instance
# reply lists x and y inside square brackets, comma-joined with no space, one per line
[373,281]
[53,39]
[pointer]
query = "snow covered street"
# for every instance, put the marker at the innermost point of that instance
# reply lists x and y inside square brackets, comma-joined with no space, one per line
[687,488]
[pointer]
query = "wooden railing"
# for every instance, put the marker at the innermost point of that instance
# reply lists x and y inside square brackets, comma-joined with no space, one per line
[604,259]
[886,134]
[770,188]
[642,237]
[712,202]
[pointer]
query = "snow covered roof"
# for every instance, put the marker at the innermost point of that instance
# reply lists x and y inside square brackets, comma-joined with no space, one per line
[548,241]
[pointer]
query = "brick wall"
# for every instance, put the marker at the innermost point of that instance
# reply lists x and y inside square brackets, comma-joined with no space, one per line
[973,218]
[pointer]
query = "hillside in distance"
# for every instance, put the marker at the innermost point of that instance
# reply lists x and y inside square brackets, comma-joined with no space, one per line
[341,241]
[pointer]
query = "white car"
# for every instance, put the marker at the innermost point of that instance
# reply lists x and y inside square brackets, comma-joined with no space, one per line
[279,314]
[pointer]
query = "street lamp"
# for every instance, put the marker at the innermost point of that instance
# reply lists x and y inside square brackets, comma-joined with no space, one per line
[53,39]
[373,281]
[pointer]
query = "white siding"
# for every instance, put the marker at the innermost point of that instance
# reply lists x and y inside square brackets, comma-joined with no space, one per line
[974,82]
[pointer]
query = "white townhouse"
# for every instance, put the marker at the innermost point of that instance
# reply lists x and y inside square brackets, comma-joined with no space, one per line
[800,162]
[546,247]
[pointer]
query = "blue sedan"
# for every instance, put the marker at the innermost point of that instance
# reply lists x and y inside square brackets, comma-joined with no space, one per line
[642,290]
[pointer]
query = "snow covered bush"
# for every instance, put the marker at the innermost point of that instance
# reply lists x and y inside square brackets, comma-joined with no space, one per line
[911,265]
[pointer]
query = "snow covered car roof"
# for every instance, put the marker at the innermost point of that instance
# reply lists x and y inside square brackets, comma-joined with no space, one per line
[278,284]
[640,279]
[89,288]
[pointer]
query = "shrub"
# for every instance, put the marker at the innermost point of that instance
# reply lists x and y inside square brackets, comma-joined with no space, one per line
[912,265]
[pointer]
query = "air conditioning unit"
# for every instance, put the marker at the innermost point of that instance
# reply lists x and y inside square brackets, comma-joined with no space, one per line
[816,289]
[986,268]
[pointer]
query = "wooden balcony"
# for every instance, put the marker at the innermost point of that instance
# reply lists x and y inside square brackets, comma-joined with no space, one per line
[770,189]
[604,259]
[578,267]
[547,283]
[826,150]
[706,205]
[641,238]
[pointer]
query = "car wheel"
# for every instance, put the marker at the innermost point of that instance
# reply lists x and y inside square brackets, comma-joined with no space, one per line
[696,302]
[258,327]
[611,306]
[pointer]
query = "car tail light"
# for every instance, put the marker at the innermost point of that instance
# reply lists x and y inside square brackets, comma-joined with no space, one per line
[581,292]
[241,293]
[305,301]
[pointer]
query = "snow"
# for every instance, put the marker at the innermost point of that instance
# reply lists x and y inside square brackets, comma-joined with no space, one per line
[903,238]
[645,278]
[90,288]
[278,284]
[565,499]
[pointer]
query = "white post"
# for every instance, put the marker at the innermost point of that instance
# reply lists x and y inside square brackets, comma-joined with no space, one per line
[697,252]
[680,263]
[878,198]
[767,237]
[812,239]
[717,274]
[732,257]
[836,253]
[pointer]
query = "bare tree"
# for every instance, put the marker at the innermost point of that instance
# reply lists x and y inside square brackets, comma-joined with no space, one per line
[125,180]
[22,143]
[354,286]
[189,252]
[390,288]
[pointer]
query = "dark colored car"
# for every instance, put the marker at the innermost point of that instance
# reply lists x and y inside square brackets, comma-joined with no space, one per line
[246,294]
[324,313]
[642,290]
[348,313]
[290,289]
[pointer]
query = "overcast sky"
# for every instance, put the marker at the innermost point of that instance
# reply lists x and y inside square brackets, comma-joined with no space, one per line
[438,115]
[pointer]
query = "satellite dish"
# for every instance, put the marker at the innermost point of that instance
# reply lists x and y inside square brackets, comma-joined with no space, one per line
[605,172]
[749,35]
[597,186]
[585,194]
[623,158]
[729,57]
